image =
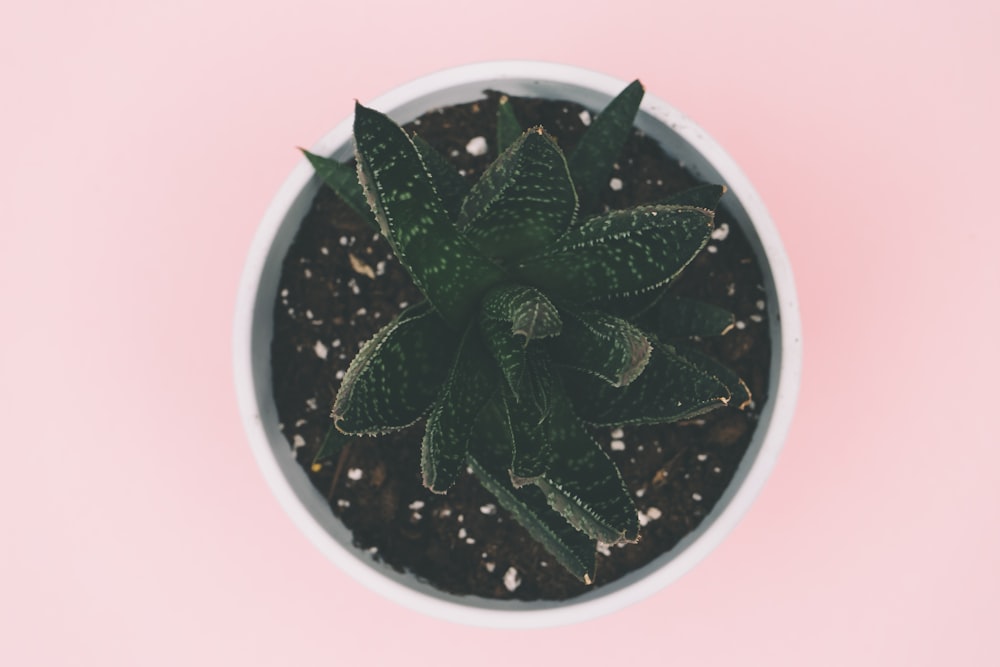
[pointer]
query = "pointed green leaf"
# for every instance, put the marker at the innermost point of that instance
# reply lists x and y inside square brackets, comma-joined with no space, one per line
[671,388]
[508,352]
[342,179]
[489,459]
[450,184]
[508,127]
[582,483]
[333,442]
[620,253]
[602,345]
[523,201]
[679,317]
[445,266]
[701,196]
[470,385]
[396,375]
[529,313]
[741,396]
[594,157]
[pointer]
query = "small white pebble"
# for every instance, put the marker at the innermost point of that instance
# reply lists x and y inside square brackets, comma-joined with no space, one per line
[362,311]
[511,579]
[585,117]
[721,232]
[603,549]
[489,509]
[284,292]
[311,403]
[716,470]
[703,457]
[320,349]
[643,519]
[470,540]
[343,502]
[654,513]
[298,441]
[325,250]
[760,304]
[639,493]
[354,474]
[462,533]
[696,496]
[490,566]
[617,433]
[712,249]
[454,153]
[416,516]
[416,505]
[300,422]
[730,289]
[308,273]
[756,318]
[335,342]
[344,240]
[616,184]
[740,324]
[476,146]
[618,445]
[339,375]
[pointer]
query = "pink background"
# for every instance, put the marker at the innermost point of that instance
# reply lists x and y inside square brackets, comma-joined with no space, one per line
[141,144]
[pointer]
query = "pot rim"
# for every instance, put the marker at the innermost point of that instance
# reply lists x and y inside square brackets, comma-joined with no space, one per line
[284,476]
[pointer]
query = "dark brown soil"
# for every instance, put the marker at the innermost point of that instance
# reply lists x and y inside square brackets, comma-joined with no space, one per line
[340,284]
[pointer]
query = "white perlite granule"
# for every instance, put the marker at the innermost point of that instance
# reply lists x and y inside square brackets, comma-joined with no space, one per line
[511,579]
[354,474]
[476,146]
[320,349]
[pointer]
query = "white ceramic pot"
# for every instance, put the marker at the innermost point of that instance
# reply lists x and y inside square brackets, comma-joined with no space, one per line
[254,328]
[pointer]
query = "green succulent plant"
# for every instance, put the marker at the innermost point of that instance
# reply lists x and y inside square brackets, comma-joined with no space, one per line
[543,318]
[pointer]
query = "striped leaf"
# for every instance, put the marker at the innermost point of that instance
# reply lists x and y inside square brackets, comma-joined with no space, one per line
[602,345]
[396,375]
[593,159]
[679,317]
[582,483]
[620,253]
[451,185]
[574,550]
[508,127]
[343,180]
[671,388]
[445,266]
[523,201]
[469,386]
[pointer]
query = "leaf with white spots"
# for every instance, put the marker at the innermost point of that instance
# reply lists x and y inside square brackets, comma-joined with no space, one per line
[443,264]
[620,253]
[523,201]
[602,345]
[593,158]
[528,312]
[670,388]
[582,483]
[490,458]
[450,185]
[396,375]
[471,383]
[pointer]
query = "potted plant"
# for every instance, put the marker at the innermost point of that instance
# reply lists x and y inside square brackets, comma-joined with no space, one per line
[540,314]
